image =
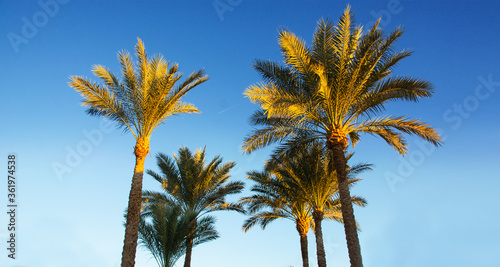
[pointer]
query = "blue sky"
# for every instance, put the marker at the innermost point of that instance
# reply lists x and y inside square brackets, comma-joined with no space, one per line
[436,207]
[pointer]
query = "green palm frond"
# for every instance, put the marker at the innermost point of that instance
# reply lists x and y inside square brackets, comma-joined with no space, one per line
[384,126]
[163,230]
[309,173]
[295,52]
[296,183]
[198,187]
[263,218]
[205,230]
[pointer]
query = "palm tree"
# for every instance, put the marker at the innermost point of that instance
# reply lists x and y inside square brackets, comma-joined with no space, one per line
[272,201]
[163,230]
[196,186]
[333,91]
[147,95]
[310,174]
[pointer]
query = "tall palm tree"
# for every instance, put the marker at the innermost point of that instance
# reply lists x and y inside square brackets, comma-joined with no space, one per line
[310,174]
[163,230]
[147,95]
[272,201]
[333,91]
[196,186]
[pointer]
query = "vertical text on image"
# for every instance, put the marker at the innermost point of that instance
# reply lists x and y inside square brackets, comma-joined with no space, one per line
[11,205]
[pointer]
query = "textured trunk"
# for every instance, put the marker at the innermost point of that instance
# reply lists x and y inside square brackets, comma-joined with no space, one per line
[303,250]
[303,228]
[320,248]
[134,205]
[350,229]
[189,249]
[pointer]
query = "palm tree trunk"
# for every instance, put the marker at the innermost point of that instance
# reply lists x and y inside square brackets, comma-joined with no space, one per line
[189,249]
[320,248]
[350,229]
[134,205]
[303,228]
[303,250]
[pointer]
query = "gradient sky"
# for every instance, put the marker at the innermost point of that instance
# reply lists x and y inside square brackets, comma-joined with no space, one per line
[436,207]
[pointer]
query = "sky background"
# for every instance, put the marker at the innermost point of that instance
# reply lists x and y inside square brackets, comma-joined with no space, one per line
[436,207]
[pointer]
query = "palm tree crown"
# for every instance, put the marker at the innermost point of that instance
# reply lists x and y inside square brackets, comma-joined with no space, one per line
[148,94]
[194,184]
[272,200]
[308,173]
[333,90]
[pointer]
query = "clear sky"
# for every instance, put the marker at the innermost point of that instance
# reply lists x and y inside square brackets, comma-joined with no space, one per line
[436,207]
